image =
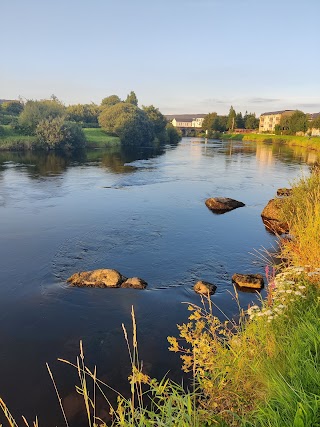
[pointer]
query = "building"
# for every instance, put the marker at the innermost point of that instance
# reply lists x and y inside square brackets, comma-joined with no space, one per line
[268,121]
[186,120]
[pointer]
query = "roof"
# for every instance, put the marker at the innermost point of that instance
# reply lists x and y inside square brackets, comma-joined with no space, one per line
[184,117]
[276,112]
[313,116]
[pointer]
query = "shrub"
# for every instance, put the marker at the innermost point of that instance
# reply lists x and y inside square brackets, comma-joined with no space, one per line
[58,134]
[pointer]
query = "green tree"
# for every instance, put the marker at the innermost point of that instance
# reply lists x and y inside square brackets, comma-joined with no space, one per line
[83,113]
[110,100]
[36,111]
[132,99]
[231,119]
[296,122]
[158,121]
[214,123]
[250,121]
[315,124]
[12,107]
[56,133]
[173,135]
[239,122]
[129,122]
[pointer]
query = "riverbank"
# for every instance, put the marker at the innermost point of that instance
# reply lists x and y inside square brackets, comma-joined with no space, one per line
[302,141]
[11,140]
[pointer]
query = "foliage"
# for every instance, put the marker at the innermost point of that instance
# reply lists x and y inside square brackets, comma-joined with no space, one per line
[296,122]
[173,135]
[83,113]
[315,124]
[36,111]
[13,108]
[56,133]
[132,99]
[214,123]
[110,100]
[157,120]
[2,131]
[239,121]
[128,122]
[251,121]
[231,118]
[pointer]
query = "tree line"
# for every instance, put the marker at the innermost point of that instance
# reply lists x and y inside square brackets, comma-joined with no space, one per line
[56,126]
[214,123]
[297,122]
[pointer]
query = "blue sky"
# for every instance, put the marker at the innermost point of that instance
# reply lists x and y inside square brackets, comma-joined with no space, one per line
[183,56]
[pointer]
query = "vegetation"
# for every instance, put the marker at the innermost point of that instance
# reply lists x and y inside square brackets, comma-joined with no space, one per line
[99,138]
[48,124]
[293,124]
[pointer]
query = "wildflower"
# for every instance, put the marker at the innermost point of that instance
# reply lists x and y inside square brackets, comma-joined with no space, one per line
[298,293]
[289,291]
[301,287]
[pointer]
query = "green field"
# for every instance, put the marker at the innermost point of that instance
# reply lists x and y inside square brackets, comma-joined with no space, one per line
[13,141]
[96,137]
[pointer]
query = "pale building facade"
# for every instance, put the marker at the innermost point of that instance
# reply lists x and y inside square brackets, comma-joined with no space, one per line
[187,120]
[268,121]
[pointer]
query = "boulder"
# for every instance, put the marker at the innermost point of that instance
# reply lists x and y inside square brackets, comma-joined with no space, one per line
[284,192]
[102,278]
[271,217]
[222,204]
[254,281]
[134,282]
[204,288]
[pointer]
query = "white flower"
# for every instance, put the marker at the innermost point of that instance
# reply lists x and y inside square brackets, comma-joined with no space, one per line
[298,293]
[301,287]
[289,291]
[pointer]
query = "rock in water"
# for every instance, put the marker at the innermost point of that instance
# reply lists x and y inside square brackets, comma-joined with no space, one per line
[102,278]
[204,288]
[254,281]
[134,282]
[222,204]
[271,217]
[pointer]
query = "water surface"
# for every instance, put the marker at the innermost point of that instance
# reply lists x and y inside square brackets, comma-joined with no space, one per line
[142,213]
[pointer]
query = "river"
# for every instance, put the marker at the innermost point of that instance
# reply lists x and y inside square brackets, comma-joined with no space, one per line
[142,213]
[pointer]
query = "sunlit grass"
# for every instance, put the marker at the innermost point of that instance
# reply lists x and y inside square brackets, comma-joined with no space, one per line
[96,137]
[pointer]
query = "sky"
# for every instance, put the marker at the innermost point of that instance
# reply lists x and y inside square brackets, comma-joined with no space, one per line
[182,56]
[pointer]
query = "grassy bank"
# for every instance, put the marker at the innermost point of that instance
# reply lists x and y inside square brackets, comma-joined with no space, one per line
[97,138]
[302,141]
[11,140]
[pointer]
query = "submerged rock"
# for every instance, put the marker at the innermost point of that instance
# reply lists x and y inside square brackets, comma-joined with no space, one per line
[134,282]
[254,281]
[102,278]
[204,288]
[284,192]
[271,217]
[222,204]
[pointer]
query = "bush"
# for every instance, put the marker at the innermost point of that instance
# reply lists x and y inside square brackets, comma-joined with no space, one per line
[58,134]
[2,131]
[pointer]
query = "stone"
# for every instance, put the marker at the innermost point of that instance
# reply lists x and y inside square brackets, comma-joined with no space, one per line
[271,217]
[284,192]
[102,278]
[134,282]
[254,281]
[222,204]
[204,288]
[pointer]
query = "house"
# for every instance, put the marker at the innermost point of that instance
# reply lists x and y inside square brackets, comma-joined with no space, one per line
[268,121]
[186,120]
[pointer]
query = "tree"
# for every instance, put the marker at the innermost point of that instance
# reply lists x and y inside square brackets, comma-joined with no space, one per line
[231,118]
[315,124]
[250,121]
[239,122]
[129,122]
[36,111]
[12,107]
[173,135]
[83,113]
[296,122]
[158,121]
[132,99]
[214,123]
[56,133]
[110,100]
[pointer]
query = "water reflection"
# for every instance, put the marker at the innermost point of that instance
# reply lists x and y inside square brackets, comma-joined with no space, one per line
[45,164]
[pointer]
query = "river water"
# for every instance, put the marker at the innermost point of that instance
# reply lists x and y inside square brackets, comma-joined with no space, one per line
[142,213]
